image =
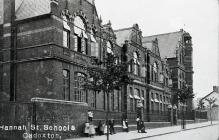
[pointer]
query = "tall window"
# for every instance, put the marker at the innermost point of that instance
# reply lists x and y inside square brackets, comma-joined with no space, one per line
[94,46]
[155,72]
[151,73]
[93,99]
[66,33]
[142,97]
[136,96]
[66,84]
[136,63]
[118,100]
[80,95]
[109,48]
[130,67]
[157,102]
[80,36]
[161,103]
[152,101]
[112,101]
[131,99]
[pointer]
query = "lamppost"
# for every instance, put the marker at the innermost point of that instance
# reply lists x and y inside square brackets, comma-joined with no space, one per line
[183,120]
[173,114]
[170,109]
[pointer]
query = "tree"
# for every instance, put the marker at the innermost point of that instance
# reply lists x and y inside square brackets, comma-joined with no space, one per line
[201,105]
[183,95]
[211,101]
[107,76]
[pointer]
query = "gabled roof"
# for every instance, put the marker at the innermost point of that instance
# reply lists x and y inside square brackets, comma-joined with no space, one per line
[31,8]
[167,43]
[27,8]
[122,35]
[212,94]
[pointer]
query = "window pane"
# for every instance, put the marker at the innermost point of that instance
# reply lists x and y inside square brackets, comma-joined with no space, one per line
[66,84]
[65,38]
[80,93]
[109,47]
[75,43]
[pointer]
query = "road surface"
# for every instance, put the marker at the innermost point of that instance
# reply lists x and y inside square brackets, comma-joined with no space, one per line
[204,133]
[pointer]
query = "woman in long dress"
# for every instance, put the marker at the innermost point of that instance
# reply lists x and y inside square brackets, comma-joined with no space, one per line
[86,129]
[91,130]
[125,125]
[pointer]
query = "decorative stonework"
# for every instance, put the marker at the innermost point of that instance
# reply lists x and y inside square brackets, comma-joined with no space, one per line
[55,2]
[81,14]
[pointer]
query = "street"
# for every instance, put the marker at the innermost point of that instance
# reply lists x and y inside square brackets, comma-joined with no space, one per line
[204,133]
[195,131]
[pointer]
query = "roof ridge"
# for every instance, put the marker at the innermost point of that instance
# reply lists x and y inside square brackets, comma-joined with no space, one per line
[208,95]
[161,34]
[122,29]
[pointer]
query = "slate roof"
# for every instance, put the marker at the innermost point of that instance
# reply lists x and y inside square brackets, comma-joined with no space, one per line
[27,8]
[1,12]
[167,43]
[122,35]
[31,8]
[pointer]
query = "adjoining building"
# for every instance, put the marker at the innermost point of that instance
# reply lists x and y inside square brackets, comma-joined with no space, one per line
[46,46]
[210,102]
[176,49]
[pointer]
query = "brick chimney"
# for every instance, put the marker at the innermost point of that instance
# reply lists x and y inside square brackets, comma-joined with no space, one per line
[215,89]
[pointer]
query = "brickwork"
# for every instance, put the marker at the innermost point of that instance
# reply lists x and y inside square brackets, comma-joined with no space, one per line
[41,58]
[56,113]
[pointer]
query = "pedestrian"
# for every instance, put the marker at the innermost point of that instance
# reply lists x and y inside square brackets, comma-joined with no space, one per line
[138,121]
[90,115]
[142,127]
[111,126]
[91,130]
[100,128]
[105,127]
[125,125]
[86,129]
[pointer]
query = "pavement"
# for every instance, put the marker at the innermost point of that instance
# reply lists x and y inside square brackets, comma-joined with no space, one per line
[134,135]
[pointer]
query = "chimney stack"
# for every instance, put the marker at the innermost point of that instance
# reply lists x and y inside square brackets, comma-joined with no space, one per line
[215,89]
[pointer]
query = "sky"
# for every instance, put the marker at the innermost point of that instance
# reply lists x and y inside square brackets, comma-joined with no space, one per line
[198,17]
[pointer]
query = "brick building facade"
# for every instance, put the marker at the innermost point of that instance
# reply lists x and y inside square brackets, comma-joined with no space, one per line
[45,47]
[176,49]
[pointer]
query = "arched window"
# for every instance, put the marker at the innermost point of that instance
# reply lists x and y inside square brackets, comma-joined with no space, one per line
[136,63]
[109,48]
[80,36]
[155,71]
[80,95]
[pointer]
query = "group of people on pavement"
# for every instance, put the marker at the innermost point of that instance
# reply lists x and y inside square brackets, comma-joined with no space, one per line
[90,130]
[102,127]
